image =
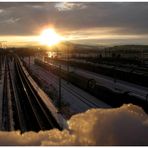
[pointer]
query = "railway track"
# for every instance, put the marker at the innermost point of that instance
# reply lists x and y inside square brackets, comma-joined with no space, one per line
[7,114]
[36,114]
[18,117]
[115,98]
[22,108]
[73,91]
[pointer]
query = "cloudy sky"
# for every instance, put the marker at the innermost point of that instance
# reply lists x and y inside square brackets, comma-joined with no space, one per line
[91,23]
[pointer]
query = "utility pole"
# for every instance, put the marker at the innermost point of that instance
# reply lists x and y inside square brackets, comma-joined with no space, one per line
[59,102]
[67,60]
[142,56]
[29,61]
[59,97]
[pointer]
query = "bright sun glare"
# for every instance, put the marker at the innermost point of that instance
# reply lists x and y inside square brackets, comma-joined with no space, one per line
[49,37]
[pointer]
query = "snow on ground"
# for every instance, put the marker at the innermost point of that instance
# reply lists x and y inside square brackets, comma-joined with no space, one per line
[127,125]
[111,83]
[70,93]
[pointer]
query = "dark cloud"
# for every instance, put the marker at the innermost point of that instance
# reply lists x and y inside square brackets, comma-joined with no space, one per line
[28,18]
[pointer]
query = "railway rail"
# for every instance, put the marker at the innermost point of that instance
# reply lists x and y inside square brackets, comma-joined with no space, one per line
[74,92]
[37,115]
[22,107]
[108,96]
[7,115]
[136,75]
[19,123]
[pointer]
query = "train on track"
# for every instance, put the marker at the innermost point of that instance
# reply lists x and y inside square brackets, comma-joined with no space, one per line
[130,73]
[78,80]
[114,99]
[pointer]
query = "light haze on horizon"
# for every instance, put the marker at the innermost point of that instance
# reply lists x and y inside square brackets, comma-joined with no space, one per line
[87,23]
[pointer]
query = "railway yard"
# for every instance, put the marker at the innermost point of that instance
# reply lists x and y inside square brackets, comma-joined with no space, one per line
[42,95]
[73,73]
[22,107]
[77,99]
[111,91]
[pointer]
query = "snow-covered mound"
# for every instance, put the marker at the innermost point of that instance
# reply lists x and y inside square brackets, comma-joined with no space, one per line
[127,125]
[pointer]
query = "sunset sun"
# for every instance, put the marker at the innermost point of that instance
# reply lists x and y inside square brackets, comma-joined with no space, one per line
[49,37]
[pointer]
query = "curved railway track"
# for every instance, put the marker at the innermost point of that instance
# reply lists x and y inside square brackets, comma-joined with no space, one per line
[19,123]
[22,108]
[36,114]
